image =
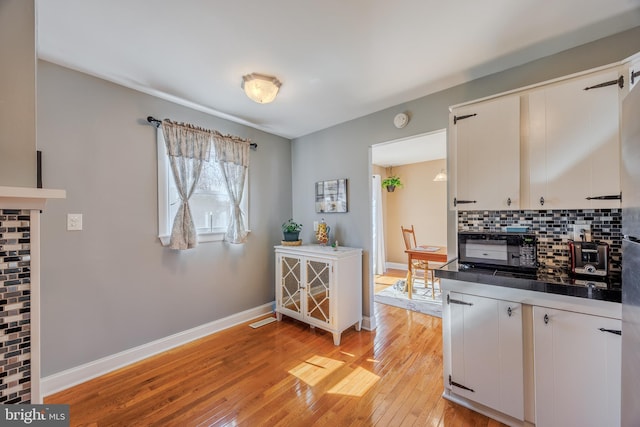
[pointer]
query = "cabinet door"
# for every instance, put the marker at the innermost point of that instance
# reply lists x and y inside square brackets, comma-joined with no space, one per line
[577,369]
[486,352]
[290,285]
[487,141]
[318,291]
[574,143]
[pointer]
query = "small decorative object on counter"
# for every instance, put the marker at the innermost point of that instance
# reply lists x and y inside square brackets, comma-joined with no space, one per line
[334,245]
[322,234]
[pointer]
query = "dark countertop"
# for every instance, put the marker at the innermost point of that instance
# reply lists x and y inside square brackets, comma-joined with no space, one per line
[553,281]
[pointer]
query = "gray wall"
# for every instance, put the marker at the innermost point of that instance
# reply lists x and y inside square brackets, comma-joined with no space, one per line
[17,94]
[343,151]
[112,286]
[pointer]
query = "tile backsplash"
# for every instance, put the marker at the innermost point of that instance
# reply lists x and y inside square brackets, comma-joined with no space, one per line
[554,229]
[15,306]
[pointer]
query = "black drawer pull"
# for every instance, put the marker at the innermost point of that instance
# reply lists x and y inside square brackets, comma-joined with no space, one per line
[611,331]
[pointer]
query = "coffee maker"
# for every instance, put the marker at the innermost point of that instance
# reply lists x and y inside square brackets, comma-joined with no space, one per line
[589,258]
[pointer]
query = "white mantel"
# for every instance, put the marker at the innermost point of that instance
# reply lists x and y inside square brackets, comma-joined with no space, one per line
[27,197]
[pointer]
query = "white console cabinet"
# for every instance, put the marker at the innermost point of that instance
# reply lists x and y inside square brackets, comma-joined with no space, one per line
[321,286]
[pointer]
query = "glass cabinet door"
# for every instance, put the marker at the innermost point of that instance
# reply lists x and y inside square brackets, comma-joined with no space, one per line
[291,284]
[318,298]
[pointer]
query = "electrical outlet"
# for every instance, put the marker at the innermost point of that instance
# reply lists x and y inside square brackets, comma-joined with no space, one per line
[74,222]
[582,232]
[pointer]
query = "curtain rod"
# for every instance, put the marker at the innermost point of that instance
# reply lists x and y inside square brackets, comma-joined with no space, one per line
[155,122]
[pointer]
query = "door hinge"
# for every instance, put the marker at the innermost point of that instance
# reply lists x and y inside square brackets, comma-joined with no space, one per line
[456,301]
[466,116]
[455,384]
[457,202]
[634,74]
[619,81]
[611,331]
[607,197]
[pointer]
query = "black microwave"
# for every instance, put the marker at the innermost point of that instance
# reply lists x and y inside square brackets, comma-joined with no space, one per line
[509,251]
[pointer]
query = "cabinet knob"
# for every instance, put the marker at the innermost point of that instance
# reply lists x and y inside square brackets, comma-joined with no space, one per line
[509,201]
[546,319]
[541,201]
[509,311]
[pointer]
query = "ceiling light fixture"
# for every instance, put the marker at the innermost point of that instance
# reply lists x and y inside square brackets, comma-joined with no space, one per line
[260,88]
[441,176]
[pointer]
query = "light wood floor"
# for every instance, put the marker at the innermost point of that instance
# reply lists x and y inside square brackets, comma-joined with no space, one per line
[283,374]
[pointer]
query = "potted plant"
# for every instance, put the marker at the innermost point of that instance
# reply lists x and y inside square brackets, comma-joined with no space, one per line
[291,230]
[391,182]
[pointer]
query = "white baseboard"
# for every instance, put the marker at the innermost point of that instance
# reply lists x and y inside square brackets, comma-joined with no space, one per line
[396,266]
[74,376]
[366,323]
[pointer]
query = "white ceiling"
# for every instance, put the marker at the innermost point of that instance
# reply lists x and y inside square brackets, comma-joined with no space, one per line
[337,59]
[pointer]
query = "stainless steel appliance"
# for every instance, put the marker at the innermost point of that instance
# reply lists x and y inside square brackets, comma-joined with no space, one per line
[589,258]
[511,251]
[630,180]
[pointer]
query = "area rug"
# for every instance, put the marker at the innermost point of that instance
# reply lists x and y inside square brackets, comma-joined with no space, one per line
[421,301]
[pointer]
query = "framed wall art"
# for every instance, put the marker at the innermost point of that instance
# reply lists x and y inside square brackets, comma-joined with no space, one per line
[331,196]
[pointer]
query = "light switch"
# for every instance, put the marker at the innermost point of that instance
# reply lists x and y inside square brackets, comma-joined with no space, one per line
[74,222]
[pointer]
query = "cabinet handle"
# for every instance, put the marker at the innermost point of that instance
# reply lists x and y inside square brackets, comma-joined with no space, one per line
[453,383]
[457,202]
[541,201]
[457,301]
[509,201]
[546,319]
[611,331]
[634,74]
[509,311]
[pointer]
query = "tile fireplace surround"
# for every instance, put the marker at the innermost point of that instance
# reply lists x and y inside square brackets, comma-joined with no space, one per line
[20,210]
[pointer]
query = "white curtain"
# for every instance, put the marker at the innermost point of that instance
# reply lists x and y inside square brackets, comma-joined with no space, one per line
[187,148]
[232,154]
[379,255]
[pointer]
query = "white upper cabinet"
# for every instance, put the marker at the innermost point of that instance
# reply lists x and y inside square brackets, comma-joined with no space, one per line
[573,144]
[633,72]
[486,136]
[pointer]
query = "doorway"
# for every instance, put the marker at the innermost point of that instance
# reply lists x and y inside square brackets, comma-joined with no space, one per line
[420,201]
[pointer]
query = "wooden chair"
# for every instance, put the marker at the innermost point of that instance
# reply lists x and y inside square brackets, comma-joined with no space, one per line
[409,237]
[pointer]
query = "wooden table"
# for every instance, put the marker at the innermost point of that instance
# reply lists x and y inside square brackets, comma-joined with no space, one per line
[418,254]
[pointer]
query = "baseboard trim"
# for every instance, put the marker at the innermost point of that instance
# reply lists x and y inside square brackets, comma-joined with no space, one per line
[79,374]
[367,323]
[396,266]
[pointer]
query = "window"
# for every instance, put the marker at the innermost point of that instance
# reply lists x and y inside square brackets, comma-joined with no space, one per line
[210,206]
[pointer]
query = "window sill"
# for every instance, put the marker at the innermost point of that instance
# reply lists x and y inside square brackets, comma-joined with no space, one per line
[217,236]
[202,238]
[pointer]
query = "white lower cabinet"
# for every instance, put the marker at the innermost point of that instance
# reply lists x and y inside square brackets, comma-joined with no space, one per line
[577,363]
[486,351]
[320,286]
